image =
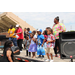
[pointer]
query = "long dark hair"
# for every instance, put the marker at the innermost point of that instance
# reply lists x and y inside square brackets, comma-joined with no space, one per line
[7,44]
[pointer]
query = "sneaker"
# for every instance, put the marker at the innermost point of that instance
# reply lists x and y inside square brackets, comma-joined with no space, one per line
[48,60]
[51,60]
[20,51]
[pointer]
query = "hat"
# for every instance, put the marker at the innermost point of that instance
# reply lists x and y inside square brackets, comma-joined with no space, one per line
[17,25]
[40,30]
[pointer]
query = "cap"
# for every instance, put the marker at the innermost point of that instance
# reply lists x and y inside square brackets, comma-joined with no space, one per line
[17,25]
[40,30]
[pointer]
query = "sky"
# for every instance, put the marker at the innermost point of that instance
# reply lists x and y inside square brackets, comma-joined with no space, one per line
[41,20]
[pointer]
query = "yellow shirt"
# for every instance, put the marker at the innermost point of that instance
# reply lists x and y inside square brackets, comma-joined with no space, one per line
[11,32]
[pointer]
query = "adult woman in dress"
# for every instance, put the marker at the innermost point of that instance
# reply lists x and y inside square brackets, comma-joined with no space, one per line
[8,53]
[57,28]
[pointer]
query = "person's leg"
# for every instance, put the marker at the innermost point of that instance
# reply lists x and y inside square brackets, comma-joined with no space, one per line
[14,41]
[20,44]
[55,49]
[29,54]
[33,54]
[47,53]
[26,52]
[51,52]
[58,45]
[10,38]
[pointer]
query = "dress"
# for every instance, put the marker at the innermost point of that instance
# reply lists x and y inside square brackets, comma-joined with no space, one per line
[32,47]
[5,58]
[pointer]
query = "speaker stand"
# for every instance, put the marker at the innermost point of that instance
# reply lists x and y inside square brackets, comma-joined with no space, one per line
[71,60]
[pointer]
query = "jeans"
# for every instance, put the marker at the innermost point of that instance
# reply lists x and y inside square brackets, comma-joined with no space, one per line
[14,40]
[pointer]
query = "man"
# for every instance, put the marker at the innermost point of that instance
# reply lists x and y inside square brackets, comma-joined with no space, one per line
[20,38]
[12,37]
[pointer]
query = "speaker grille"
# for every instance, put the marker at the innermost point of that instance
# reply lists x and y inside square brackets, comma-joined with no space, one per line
[69,48]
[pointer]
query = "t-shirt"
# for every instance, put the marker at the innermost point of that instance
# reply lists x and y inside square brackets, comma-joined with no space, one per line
[35,36]
[57,28]
[40,39]
[12,31]
[20,35]
[51,37]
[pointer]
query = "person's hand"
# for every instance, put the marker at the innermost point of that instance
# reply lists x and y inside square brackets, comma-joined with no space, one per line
[42,45]
[47,42]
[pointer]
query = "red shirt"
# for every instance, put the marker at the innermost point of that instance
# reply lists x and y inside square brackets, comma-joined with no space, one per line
[20,35]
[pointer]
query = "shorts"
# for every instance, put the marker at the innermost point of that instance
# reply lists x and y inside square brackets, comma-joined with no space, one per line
[50,50]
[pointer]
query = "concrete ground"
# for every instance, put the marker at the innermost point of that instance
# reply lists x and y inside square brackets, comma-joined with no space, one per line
[23,56]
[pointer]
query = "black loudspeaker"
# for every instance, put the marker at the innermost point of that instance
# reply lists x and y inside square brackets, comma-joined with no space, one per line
[2,37]
[67,45]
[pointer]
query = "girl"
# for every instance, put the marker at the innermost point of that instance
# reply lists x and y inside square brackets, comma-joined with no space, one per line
[8,54]
[27,43]
[33,46]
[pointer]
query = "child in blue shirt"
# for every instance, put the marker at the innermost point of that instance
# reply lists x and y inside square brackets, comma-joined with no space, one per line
[41,40]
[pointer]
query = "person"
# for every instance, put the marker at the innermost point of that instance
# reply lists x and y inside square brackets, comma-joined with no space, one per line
[41,40]
[34,33]
[12,37]
[8,54]
[25,32]
[45,35]
[50,45]
[33,45]
[27,43]
[57,28]
[47,28]
[29,32]
[20,38]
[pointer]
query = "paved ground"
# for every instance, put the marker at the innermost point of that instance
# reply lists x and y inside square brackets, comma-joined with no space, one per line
[23,53]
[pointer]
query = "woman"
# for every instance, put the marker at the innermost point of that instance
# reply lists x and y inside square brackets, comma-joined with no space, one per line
[57,28]
[8,53]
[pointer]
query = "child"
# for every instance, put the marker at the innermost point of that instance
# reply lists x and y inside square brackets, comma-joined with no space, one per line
[41,40]
[33,46]
[27,43]
[50,45]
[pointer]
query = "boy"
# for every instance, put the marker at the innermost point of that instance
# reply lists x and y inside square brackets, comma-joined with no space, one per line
[41,39]
[50,45]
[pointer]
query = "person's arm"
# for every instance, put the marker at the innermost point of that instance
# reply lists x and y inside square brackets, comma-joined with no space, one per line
[8,54]
[63,28]
[20,31]
[50,41]
[16,51]
[43,42]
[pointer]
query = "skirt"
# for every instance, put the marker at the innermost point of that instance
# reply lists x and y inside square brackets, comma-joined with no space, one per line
[32,48]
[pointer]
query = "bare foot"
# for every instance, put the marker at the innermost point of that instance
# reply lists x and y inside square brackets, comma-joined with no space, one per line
[33,56]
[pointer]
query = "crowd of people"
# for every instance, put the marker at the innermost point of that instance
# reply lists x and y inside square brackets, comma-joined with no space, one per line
[43,42]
